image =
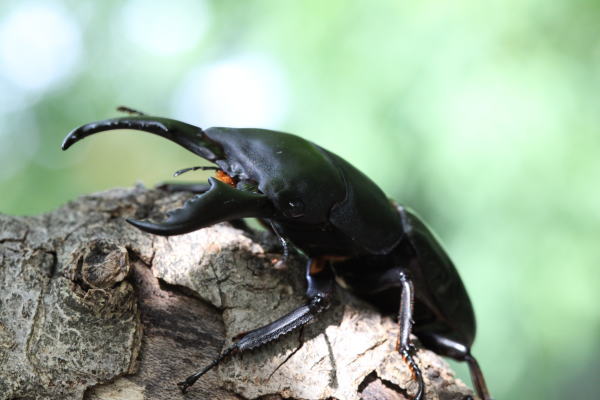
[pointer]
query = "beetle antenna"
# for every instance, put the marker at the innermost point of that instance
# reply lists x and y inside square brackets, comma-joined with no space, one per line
[203,168]
[128,110]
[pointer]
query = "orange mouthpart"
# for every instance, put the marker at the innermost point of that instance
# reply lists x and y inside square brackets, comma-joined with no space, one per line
[223,177]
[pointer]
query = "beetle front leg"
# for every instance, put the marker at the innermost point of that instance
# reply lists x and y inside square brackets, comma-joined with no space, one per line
[320,288]
[196,188]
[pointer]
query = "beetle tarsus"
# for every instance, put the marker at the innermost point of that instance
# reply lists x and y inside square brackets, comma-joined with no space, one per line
[190,380]
[183,386]
[407,356]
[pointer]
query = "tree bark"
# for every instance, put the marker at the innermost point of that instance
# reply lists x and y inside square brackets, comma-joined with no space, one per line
[92,308]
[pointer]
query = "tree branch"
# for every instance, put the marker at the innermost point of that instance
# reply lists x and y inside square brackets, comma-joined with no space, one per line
[92,308]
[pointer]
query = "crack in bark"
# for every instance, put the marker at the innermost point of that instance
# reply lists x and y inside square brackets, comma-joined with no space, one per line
[333,380]
[367,350]
[16,239]
[300,344]
[54,265]
[35,326]
[219,290]
[374,387]
[75,229]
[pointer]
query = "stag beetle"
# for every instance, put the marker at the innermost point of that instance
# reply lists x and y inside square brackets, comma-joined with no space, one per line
[334,214]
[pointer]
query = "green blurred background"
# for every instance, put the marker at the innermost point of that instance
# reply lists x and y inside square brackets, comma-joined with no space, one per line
[482,116]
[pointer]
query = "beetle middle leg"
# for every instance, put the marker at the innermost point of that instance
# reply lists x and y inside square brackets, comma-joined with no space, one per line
[379,284]
[405,321]
[320,288]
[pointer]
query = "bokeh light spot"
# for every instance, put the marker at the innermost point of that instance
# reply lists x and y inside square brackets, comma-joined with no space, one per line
[164,27]
[240,92]
[39,45]
[17,145]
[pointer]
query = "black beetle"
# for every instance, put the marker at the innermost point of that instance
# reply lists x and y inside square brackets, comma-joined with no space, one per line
[334,214]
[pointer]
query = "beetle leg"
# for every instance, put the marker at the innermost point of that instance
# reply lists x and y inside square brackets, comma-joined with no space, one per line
[319,292]
[282,263]
[450,348]
[405,321]
[373,284]
[477,377]
[197,188]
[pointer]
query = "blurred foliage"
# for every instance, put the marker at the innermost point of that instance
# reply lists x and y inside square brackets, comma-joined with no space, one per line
[482,116]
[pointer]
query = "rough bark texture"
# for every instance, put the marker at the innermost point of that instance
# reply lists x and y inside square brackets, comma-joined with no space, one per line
[91,308]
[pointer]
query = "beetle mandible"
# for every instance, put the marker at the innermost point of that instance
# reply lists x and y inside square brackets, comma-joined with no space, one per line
[338,217]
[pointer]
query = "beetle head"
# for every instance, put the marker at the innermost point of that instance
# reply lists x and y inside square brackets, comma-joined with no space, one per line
[263,174]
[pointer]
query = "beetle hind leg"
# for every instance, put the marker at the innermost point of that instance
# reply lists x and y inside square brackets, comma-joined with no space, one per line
[477,377]
[450,348]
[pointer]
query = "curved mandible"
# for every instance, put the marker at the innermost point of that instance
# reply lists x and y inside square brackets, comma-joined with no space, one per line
[188,136]
[219,203]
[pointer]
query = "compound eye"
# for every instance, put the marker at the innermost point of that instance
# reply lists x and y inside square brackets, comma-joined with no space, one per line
[294,209]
